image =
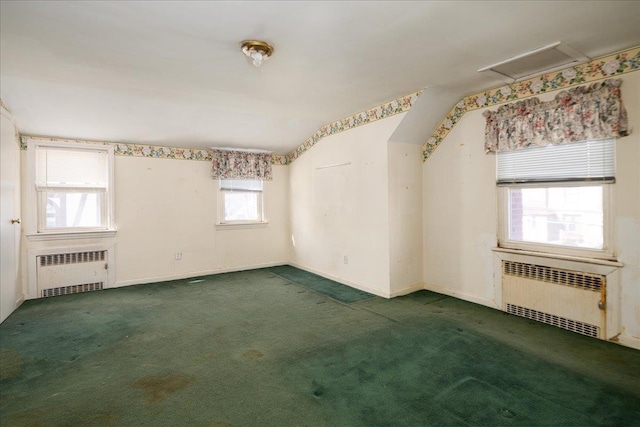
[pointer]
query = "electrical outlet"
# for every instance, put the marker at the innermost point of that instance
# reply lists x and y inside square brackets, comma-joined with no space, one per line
[346,259]
[178,256]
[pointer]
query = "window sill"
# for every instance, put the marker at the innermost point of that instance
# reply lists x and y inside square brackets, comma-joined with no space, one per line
[71,235]
[596,261]
[241,225]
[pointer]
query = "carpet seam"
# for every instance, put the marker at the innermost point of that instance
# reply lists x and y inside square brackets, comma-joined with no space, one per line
[320,293]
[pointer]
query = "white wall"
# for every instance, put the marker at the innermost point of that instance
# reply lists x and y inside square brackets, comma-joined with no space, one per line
[460,214]
[627,208]
[11,295]
[343,211]
[405,217]
[168,205]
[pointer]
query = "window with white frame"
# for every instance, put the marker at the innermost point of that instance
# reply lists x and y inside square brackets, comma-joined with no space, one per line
[71,187]
[241,201]
[556,198]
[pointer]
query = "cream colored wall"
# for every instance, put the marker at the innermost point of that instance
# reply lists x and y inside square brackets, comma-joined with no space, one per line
[627,211]
[460,213]
[167,205]
[405,217]
[340,207]
[164,206]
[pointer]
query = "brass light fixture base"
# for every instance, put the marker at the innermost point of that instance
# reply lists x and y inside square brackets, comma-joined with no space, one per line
[257,50]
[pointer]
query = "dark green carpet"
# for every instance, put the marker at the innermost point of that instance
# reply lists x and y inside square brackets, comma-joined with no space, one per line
[254,349]
[328,287]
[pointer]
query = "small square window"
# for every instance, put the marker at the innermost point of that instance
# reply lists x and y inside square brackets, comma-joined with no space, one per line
[241,201]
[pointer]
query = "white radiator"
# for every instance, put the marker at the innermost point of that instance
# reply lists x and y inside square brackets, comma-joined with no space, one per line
[571,300]
[70,273]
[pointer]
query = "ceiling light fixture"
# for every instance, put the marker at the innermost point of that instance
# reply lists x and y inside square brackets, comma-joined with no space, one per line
[257,50]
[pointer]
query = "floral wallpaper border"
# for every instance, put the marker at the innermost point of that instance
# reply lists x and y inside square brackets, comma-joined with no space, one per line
[142,150]
[600,68]
[138,150]
[388,109]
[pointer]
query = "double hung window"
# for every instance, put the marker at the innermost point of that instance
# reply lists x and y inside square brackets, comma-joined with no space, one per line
[71,187]
[556,198]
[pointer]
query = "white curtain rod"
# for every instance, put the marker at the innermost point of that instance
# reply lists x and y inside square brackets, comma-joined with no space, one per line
[245,150]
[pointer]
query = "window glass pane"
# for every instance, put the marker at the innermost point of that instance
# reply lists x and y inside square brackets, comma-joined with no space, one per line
[566,216]
[73,209]
[241,206]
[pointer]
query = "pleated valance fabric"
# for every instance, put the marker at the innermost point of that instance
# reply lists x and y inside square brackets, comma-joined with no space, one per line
[228,164]
[582,113]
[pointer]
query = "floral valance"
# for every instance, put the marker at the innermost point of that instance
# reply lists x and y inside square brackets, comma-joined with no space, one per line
[228,164]
[582,113]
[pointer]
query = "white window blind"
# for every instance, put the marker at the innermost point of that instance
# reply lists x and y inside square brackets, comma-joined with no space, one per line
[579,161]
[61,168]
[241,185]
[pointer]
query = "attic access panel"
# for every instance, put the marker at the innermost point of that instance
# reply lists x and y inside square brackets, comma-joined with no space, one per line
[540,61]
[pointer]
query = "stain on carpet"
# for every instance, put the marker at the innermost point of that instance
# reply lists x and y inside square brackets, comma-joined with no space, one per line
[330,288]
[100,420]
[27,419]
[318,389]
[157,389]
[10,363]
[252,355]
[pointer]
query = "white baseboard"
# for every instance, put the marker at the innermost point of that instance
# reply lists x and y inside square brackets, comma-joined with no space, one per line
[461,295]
[408,290]
[166,278]
[19,301]
[628,341]
[356,285]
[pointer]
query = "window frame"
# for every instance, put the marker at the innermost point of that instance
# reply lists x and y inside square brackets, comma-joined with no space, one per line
[36,199]
[223,222]
[594,169]
[606,253]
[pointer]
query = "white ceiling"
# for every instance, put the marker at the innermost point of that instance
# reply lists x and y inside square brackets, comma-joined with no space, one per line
[172,73]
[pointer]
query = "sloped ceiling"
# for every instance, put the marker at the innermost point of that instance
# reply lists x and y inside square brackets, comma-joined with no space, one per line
[172,73]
